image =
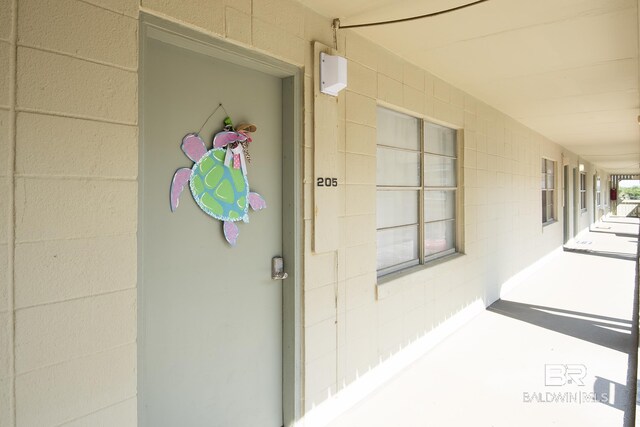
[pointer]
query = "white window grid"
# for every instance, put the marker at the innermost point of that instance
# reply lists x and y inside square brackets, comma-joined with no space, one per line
[420,190]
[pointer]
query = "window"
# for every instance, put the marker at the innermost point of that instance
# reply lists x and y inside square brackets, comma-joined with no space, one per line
[416,191]
[598,192]
[583,191]
[548,182]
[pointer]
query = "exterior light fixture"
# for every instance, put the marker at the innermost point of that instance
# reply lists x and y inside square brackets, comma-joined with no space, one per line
[333,74]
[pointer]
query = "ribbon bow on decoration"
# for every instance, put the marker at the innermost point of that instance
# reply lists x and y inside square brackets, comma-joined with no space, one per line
[237,143]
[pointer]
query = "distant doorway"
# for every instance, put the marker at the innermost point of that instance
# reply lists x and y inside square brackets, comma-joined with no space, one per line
[576,202]
[565,202]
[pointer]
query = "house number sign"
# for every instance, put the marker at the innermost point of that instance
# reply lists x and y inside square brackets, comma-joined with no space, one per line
[327,182]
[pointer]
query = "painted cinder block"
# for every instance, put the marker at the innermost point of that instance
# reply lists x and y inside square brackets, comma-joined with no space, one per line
[309,58]
[341,356]
[308,130]
[428,84]
[360,260]
[320,379]
[308,201]
[359,229]
[361,50]
[413,325]
[6,391]
[238,26]
[360,169]
[361,199]
[5,347]
[413,296]
[481,143]
[47,272]
[309,99]
[5,52]
[361,355]
[320,270]
[54,333]
[390,90]
[64,392]
[457,97]
[74,208]
[206,14]
[390,65]
[60,84]
[320,339]
[52,145]
[441,90]
[391,308]
[320,304]
[79,29]
[5,19]
[278,42]
[481,160]
[341,135]
[413,76]
[360,139]
[362,80]
[360,109]
[4,277]
[469,103]
[413,99]
[4,211]
[284,14]
[361,322]
[441,110]
[123,414]
[318,28]
[469,122]
[308,166]
[360,290]
[126,7]
[5,167]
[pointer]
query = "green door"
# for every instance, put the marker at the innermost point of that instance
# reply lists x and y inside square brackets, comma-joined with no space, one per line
[211,315]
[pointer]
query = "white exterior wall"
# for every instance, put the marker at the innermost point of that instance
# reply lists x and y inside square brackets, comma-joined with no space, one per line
[68,174]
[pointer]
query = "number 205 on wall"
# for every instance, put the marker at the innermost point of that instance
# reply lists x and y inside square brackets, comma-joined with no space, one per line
[327,182]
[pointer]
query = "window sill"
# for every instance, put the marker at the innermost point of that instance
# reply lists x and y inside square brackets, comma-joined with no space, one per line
[391,283]
[553,221]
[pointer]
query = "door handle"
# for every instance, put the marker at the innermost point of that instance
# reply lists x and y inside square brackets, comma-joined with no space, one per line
[277,269]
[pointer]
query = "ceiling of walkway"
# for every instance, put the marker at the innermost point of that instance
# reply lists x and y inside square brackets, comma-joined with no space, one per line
[567,69]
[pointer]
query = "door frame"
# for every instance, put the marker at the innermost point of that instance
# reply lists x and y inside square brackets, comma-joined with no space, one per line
[576,201]
[565,204]
[154,27]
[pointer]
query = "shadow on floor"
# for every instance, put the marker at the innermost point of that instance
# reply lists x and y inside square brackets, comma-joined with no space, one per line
[608,221]
[613,233]
[611,393]
[600,330]
[605,254]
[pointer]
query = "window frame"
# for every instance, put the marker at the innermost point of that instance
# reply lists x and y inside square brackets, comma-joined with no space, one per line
[545,190]
[582,191]
[422,258]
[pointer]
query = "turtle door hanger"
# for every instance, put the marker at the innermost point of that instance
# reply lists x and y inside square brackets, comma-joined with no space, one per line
[218,177]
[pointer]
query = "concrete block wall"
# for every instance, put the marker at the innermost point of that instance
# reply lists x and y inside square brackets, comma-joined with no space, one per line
[7,115]
[69,158]
[68,174]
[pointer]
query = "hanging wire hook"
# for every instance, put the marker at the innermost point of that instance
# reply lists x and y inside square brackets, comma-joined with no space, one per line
[211,115]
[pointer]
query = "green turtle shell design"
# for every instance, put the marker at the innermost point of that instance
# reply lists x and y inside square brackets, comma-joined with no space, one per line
[220,191]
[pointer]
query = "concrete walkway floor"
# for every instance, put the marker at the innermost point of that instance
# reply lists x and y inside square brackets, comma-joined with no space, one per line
[552,352]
